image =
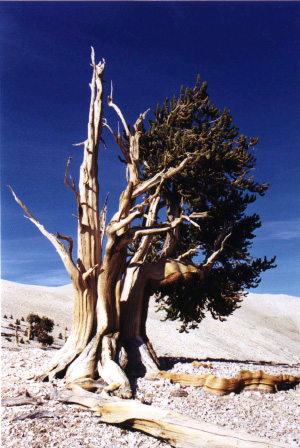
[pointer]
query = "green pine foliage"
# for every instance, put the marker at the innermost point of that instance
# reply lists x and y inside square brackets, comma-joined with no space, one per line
[40,328]
[218,179]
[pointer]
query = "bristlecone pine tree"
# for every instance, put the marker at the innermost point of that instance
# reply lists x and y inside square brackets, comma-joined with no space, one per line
[191,165]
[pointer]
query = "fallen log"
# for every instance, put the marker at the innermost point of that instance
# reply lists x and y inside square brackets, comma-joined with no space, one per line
[35,414]
[23,399]
[177,429]
[202,364]
[223,386]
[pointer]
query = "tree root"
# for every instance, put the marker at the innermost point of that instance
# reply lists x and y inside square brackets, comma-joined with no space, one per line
[116,379]
[59,363]
[222,386]
[141,357]
[173,427]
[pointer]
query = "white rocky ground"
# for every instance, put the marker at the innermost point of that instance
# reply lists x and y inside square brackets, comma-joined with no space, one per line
[262,335]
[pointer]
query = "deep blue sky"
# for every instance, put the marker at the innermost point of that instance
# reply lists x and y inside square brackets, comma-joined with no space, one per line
[248,52]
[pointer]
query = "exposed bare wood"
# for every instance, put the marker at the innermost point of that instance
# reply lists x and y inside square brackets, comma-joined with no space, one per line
[136,232]
[118,111]
[86,274]
[173,427]
[35,414]
[214,256]
[71,186]
[189,252]
[70,242]
[102,219]
[118,141]
[64,255]
[21,400]
[223,386]
[16,335]
[202,364]
[145,186]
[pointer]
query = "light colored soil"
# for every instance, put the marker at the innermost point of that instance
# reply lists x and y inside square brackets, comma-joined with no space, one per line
[262,335]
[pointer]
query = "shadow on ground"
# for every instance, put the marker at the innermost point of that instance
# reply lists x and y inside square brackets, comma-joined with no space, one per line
[168,362]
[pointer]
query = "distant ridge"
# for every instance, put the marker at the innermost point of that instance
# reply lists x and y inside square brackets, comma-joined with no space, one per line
[266,327]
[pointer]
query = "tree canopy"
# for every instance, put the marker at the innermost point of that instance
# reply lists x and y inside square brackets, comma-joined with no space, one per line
[218,181]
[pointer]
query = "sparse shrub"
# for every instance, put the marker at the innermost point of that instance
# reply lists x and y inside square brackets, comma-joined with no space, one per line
[11,316]
[22,319]
[5,317]
[26,332]
[21,341]
[60,336]
[39,328]
[11,325]
[18,322]
[8,339]
[45,338]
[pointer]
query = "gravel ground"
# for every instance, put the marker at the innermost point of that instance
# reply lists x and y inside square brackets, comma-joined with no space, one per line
[275,416]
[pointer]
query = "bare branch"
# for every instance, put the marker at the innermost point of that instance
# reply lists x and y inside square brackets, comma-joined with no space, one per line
[145,243]
[143,187]
[86,274]
[118,111]
[213,258]
[115,226]
[140,119]
[189,252]
[70,241]
[73,183]
[164,227]
[79,144]
[118,141]
[102,219]
[64,255]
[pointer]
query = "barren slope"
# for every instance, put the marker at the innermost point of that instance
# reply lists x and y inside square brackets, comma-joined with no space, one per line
[266,327]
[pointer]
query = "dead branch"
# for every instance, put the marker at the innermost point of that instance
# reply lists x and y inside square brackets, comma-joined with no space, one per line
[213,257]
[145,186]
[118,141]
[246,380]
[70,242]
[175,428]
[118,111]
[139,120]
[86,274]
[102,219]
[64,255]
[73,183]
[136,232]
[36,414]
[144,245]
[189,252]
[23,399]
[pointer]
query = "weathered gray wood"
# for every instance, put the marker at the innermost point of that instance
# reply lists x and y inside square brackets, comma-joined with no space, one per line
[36,414]
[177,429]
[21,400]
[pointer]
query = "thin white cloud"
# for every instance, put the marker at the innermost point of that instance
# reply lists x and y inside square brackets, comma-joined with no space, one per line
[55,277]
[280,230]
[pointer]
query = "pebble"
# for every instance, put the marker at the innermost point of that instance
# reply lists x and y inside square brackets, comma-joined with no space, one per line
[275,416]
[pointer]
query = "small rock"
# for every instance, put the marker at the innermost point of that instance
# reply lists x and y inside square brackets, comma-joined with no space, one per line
[179,393]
